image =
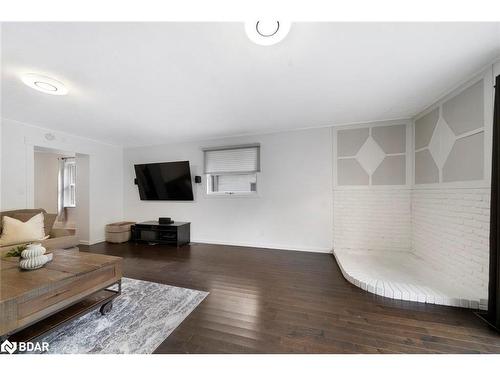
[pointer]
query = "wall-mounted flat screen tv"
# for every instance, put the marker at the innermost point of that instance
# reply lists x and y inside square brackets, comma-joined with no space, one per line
[164,181]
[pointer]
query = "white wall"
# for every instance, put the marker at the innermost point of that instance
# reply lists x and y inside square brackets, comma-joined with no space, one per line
[105,177]
[83,218]
[294,206]
[46,180]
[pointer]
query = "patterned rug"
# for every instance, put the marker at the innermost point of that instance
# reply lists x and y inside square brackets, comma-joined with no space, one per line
[143,316]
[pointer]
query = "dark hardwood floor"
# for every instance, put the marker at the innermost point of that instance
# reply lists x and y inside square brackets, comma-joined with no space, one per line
[273,301]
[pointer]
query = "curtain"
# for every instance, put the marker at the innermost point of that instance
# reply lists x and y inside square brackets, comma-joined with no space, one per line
[493,315]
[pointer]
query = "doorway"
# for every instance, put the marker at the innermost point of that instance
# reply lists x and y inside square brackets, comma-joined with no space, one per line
[60,186]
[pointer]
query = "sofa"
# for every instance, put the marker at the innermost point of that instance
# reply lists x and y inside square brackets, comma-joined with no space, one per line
[58,238]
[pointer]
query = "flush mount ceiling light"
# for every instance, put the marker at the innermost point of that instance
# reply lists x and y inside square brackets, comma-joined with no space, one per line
[50,136]
[267,32]
[44,84]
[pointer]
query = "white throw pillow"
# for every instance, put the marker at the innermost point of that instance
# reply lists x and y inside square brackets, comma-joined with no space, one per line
[16,232]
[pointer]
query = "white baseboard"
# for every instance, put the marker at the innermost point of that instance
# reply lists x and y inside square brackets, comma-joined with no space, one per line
[266,246]
[248,244]
[88,243]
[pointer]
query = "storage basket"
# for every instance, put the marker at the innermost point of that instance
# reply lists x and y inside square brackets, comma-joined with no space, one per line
[119,232]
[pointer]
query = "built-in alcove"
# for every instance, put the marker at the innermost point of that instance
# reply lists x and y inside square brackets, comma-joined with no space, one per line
[424,238]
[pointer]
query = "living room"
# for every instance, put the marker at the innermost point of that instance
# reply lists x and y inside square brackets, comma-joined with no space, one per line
[237,188]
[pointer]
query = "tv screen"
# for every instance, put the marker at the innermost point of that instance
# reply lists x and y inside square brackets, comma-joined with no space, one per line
[164,181]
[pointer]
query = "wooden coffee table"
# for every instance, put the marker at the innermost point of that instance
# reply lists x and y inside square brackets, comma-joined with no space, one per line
[33,303]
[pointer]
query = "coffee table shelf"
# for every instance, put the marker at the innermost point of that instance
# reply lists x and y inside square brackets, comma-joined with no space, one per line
[41,329]
[33,303]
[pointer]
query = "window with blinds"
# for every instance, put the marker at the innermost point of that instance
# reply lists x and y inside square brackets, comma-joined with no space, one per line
[69,177]
[232,170]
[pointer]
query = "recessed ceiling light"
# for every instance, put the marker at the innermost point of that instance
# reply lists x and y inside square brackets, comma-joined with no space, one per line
[44,84]
[267,32]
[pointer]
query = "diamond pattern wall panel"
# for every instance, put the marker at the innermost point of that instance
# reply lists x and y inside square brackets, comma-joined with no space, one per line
[381,158]
[392,171]
[426,170]
[465,112]
[391,138]
[370,155]
[456,142]
[350,172]
[350,141]
[470,167]
[441,142]
[424,127]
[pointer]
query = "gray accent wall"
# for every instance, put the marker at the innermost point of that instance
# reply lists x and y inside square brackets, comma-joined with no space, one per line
[351,173]
[449,140]
[465,162]
[372,155]
[392,171]
[350,141]
[465,112]
[449,145]
[391,138]
[424,127]
[426,170]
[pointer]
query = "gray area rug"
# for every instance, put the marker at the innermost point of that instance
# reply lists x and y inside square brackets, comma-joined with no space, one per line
[142,317]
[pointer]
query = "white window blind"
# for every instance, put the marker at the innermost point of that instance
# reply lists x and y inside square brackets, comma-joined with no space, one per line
[233,169]
[235,159]
[69,189]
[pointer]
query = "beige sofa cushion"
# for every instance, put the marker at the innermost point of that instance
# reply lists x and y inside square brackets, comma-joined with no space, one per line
[26,214]
[48,220]
[16,231]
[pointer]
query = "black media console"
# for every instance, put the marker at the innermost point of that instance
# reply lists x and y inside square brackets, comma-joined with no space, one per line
[176,233]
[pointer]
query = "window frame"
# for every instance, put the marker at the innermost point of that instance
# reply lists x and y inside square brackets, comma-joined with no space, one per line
[208,185]
[68,186]
[233,194]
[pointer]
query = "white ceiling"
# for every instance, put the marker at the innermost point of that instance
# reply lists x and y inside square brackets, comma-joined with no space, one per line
[148,83]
